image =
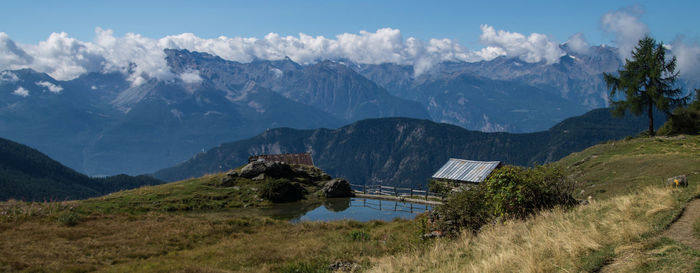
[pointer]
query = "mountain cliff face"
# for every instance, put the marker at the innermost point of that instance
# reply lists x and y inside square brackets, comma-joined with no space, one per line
[105,125]
[504,94]
[405,152]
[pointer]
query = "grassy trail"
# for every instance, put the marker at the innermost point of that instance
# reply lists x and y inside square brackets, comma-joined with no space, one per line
[682,230]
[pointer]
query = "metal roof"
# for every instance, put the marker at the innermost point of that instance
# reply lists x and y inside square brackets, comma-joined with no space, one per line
[466,170]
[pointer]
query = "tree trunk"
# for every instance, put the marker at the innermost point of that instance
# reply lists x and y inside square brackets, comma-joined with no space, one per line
[650,111]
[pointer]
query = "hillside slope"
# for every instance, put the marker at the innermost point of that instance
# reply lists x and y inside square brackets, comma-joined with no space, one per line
[621,167]
[27,174]
[623,226]
[405,152]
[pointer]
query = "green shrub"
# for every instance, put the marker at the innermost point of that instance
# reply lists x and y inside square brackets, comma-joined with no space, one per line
[682,121]
[515,192]
[465,209]
[282,190]
[441,188]
[359,235]
[509,192]
[69,218]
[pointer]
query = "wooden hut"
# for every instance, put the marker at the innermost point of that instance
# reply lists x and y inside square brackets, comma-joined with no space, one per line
[466,171]
[300,159]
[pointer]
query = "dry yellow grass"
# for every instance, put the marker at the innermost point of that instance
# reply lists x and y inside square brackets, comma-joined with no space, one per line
[552,241]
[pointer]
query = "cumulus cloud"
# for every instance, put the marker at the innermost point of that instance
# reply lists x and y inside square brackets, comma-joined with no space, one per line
[52,87]
[63,57]
[7,76]
[141,58]
[11,55]
[626,27]
[191,77]
[688,58]
[533,48]
[20,91]
[577,43]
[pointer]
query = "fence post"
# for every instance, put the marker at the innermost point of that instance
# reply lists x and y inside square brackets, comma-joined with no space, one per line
[364,188]
[396,191]
[426,194]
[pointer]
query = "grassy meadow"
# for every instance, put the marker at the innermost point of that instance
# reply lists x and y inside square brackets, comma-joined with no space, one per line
[200,225]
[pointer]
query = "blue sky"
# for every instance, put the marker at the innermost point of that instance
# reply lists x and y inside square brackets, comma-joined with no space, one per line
[33,21]
[68,38]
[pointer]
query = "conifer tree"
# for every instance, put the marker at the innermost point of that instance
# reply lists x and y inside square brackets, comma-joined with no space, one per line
[647,81]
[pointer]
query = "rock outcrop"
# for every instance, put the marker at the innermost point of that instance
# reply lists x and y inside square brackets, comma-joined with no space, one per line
[337,188]
[282,182]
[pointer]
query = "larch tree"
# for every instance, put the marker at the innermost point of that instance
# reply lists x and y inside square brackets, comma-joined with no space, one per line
[647,81]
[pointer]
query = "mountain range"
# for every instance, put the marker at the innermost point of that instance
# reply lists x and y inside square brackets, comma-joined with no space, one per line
[406,152]
[106,123]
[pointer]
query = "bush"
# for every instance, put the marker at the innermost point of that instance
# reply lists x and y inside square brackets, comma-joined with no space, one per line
[358,235]
[465,209]
[682,121]
[441,188]
[69,218]
[281,190]
[515,192]
[509,192]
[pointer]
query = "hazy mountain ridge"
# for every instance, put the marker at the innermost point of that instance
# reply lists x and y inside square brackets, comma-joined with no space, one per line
[405,152]
[107,125]
[27,174]
[450,90]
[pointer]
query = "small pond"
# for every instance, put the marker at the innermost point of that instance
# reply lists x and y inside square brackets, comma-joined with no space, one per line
[360,209]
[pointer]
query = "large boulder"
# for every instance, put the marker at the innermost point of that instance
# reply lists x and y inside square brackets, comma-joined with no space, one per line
[337,188]
[253,169]
[269,168]
[282,191]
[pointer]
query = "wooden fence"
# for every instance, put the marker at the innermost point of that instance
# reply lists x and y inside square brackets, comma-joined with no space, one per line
[394,191]
[393,206]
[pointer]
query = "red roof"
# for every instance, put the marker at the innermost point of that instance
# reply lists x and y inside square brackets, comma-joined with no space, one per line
[300,159]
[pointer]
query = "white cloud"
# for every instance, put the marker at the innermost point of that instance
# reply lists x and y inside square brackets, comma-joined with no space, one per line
[64,58]
[577,43]
[11,55]
[534,48]
[688,58]
[52,87]
[191,77]
[21,92]
[7,76]
[624,24]
[141,58]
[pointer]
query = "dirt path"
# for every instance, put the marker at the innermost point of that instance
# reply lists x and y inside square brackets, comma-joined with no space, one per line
[682,230]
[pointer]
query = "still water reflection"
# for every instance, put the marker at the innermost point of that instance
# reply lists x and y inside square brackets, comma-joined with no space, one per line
[360,209]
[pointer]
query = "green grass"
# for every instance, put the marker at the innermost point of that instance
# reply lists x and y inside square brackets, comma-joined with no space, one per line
[192,194]
[197,241]
[664,255]
[622,167]
[198,225]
